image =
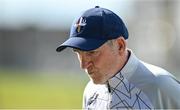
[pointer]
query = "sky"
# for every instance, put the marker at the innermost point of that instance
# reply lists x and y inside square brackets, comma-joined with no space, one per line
[53,14]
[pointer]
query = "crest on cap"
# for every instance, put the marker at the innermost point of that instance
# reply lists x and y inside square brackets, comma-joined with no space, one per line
[80,24]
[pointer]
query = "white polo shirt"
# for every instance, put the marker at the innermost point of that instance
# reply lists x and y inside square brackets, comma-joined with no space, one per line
[137,86]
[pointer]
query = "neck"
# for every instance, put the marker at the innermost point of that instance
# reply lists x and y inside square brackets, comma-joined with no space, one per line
[122,62]
[124,59]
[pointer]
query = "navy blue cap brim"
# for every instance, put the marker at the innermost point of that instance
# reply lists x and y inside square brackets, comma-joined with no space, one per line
[81,44]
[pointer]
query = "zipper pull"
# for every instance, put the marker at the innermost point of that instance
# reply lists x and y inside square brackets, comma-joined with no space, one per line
[109,87]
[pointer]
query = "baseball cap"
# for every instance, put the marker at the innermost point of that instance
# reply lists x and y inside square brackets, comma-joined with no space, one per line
[93,28]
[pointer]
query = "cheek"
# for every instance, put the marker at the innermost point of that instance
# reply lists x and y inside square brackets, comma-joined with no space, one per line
[105,62]
[108,64]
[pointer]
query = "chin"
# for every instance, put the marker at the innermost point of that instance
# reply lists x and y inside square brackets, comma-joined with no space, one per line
[98,82]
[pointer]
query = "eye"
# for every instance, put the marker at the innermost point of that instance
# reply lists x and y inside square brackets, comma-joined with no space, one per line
[93,53]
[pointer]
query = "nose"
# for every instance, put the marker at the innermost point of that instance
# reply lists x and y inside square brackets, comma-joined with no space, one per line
[85,60]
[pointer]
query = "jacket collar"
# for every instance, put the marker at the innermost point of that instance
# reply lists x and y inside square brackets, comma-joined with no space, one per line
[127,71]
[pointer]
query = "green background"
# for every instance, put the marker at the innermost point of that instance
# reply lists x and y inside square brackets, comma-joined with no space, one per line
[20,89]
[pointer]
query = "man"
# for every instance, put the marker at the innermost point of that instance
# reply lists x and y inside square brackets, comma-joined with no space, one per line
[118,79]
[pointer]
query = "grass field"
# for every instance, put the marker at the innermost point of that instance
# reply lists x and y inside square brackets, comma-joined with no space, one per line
[40,91]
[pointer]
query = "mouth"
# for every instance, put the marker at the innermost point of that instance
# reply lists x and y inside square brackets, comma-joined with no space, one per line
[89,72]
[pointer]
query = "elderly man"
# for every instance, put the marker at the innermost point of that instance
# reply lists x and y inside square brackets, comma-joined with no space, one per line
[118,79]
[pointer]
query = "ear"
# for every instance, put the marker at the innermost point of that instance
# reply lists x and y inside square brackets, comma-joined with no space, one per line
[122,45]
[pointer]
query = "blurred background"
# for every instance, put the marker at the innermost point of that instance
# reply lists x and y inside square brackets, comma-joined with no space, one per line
[34,75]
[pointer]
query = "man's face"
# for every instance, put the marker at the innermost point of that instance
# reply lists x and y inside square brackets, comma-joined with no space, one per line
[99,64]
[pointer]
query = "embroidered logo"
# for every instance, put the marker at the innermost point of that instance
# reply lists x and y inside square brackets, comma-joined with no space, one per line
[93,98]
[80,24]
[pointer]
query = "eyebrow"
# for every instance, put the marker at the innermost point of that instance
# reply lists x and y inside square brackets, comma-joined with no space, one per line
[77,50]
